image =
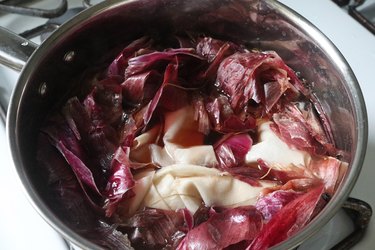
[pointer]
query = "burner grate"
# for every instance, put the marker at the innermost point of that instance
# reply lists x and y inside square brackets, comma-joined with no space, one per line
[358,15]
[360,213]
[52,24]
[14,6]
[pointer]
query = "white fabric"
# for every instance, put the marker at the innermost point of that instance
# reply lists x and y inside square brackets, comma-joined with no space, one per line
[142,185]
[187,186]
[273,150]
[183,143]
[140,151]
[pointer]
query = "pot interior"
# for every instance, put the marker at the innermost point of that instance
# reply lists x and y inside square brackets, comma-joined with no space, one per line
[95,36]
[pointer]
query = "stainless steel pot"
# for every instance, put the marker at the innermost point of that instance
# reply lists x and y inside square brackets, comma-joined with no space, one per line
[52,69]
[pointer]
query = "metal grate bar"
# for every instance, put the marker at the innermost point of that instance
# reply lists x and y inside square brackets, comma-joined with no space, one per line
[12,7]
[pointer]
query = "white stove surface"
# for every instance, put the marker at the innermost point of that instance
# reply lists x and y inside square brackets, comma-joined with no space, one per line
[22,228]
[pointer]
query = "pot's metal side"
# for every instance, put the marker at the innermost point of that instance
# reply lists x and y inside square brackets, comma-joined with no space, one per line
[337,91]
[18,101]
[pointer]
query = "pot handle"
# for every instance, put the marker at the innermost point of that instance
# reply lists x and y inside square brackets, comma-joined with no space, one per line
[14,50]
[2,114]
[14,53]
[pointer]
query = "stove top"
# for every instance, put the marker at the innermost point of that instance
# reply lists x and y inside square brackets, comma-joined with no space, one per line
[22,228]
[361,10]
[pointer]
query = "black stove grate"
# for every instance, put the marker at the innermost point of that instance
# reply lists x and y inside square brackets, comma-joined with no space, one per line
[360,213]
[19,7]
[352,7]
[56,16]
